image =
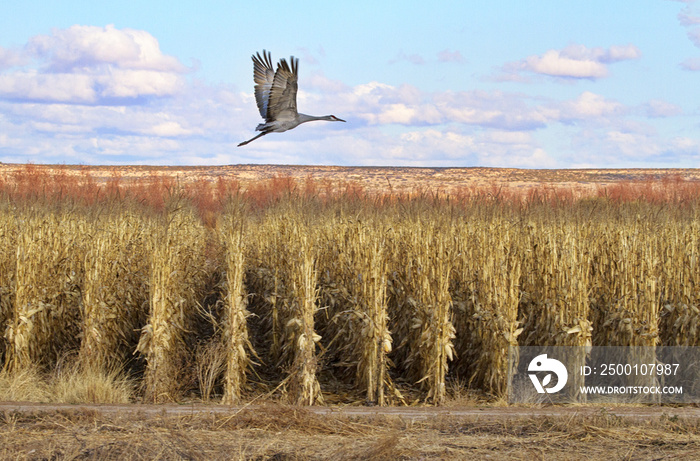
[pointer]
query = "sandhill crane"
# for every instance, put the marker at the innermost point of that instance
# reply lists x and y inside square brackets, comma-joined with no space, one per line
[276,95]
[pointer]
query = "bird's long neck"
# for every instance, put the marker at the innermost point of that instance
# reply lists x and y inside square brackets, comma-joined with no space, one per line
[310,118]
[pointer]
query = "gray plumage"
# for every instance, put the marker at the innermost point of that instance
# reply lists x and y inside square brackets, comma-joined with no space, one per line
[276,96]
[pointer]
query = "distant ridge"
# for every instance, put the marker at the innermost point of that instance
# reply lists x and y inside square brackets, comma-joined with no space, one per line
[372,178]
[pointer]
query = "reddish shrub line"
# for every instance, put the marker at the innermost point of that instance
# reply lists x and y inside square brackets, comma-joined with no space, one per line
[208,196]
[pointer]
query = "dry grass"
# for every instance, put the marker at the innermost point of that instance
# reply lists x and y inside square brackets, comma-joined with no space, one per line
[68,383]
[281,432]
[79,383]
[24,385]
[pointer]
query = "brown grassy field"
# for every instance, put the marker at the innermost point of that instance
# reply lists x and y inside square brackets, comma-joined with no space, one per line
[331,285]
[279,432]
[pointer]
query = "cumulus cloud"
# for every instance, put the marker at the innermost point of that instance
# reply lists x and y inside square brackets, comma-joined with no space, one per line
[89,65]
[496,109]
[632,144]
[130,83]
[388,125]
[590,105]
[437,146]
[574,61]
[87,47]
[555,63]
[10,58]
[31,85]
[380,104]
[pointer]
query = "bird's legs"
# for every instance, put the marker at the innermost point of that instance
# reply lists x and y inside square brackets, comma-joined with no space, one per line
[253,139]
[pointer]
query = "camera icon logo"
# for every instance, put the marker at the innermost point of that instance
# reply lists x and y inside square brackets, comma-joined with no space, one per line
[543,364]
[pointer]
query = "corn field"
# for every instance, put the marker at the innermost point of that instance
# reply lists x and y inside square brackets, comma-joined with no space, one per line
[318,299]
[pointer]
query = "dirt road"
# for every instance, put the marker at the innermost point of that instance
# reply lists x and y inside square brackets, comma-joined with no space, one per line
[632,412]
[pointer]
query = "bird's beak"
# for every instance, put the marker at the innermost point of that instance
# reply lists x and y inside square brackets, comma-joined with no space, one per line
[339,119]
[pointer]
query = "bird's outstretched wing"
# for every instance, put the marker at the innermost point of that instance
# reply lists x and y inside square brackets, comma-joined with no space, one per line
[283,94]
[264,76]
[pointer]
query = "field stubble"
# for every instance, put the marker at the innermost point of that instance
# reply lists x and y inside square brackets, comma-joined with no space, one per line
[279,432]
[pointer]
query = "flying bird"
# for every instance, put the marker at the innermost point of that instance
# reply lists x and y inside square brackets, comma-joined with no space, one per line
[276,95]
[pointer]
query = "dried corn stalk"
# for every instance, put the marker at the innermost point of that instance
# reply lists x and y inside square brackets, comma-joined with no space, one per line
[304,387]
[46,311]
[235,329]
[284,281]
[680,286]
[487,293]
[178,277]
[115,290]
[355,290]
[423,309]
[555,283]
[8,268]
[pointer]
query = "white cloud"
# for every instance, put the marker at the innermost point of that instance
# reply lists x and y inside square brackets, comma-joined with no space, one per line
[397,113]
[632,144]
[89,65]
[574,61]
[381,104]
[685,146]
[590,106]
[661,108]
[440,147]
[31,85]
[509,137]
[554,63]
[620,53]
[402,126]
[422,144]
[86,47]
[127,83]
[10,58]
[167,129]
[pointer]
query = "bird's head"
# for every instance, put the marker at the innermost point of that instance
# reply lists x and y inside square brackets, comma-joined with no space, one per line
[333,118]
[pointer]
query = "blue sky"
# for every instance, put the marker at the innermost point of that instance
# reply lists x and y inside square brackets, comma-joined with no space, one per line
[533,84]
